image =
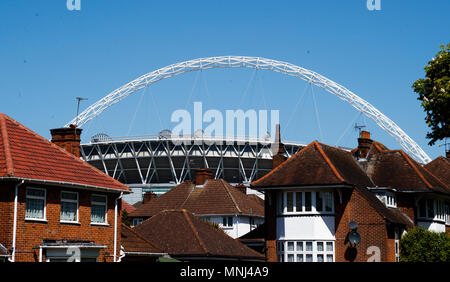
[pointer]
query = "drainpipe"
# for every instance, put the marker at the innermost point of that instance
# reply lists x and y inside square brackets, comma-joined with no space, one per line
[16,196]
[115,226]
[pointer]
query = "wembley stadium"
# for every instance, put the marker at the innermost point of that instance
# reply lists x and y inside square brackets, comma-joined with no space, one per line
[158,163]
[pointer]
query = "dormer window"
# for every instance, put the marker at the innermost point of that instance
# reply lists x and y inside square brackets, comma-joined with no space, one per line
[387,197]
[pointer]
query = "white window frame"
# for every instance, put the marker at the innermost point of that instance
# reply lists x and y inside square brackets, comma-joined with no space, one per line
[100,203]
[136,221]
[283,251]
[44,218]
[439,210]
[282,202]
[70,201]
[388,198]
[227,226]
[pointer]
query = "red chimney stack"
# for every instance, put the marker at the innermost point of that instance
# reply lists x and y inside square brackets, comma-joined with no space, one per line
[241,187]
[201,175]
[67,138]
[364,143]
[277,149]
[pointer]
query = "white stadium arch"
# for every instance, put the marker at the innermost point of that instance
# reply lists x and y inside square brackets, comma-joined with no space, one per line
[408,144]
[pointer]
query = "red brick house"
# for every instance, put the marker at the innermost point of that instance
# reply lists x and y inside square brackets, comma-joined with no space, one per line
[314,199]
[214,200]
[54,206]
[185,237]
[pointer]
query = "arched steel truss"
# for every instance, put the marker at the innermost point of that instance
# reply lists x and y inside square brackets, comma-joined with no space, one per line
[408,144]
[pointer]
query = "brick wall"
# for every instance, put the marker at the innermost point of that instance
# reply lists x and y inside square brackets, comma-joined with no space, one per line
[31,233]
[271,225]
[371,227]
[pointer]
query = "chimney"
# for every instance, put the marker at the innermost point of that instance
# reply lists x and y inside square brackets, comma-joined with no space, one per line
[67,138]
[364,143]
[241,187]
[148,196]
[277,149]
[201,175]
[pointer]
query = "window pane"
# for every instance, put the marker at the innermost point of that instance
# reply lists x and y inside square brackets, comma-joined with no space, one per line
[299,246]
[309,258]
[307,201]
[68,211]
[319,201]
[35,192]
[69,196]
[230,221]
[329,258]
[98,213]
[291,246]
[282,246]
[290,201]
[299,258]
[329,246]
[281,202]
[34,208]
[99,199]
[319,258]
[298,201]
[320,246]
[328,201]
[430,208]
[422,208]
[290,258]
[309,246]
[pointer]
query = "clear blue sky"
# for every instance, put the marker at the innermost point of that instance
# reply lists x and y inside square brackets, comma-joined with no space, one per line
[50,55]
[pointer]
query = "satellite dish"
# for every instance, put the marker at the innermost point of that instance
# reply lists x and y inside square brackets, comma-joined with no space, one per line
[353,225]
[354,238]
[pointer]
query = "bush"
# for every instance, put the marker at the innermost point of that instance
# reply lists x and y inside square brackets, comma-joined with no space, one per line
[421,245]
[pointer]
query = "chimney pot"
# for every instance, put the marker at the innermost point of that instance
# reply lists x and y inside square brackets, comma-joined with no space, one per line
[201,175]
[278,149]
[364,143]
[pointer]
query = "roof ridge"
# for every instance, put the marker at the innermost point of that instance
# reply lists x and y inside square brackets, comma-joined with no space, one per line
[282,164]
[191,225]
[65,152]
[188,196]
[415,169]
[8,158]
[141,237]
[231,196]
[328,161]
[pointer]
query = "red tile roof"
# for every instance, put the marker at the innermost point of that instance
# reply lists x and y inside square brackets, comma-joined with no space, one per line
[26,155]
[216,196]
[395,169]
[199,238]
[133,242]
[440,167]
[316,164]
[126,206]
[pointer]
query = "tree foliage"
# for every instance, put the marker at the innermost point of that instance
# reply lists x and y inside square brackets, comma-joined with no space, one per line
[421,245]
[126,218]
[434,94]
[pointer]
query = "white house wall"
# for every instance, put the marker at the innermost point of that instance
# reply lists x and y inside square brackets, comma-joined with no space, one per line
[318,227]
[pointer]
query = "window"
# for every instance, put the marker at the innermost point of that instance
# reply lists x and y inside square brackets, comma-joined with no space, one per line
[136,221]
[69,207]
[35,203]
[227,221]
[305,251]
[447,213]
[305,202]
[98,209]
[433,209]
[397,244]
[388,198]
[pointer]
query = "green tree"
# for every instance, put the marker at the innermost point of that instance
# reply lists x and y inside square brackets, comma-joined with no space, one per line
[421,245]
[126,218]
[434,94]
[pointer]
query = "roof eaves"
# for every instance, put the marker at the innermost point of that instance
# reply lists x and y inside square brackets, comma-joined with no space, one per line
[8,157]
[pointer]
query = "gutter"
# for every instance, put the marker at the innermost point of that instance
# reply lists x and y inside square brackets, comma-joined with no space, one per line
[16,196]
[115,227]
[66,184]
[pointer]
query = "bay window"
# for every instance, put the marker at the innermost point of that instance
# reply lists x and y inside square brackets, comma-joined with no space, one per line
[305,202]
[305,251]
[433,209]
